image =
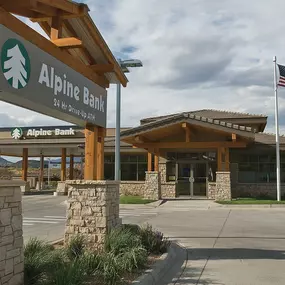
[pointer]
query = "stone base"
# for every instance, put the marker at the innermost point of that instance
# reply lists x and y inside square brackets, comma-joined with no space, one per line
[26,187]
[212,188]
[92,211]
[223,186]
[11,233]
[62,188]
[168,190]
[152,189]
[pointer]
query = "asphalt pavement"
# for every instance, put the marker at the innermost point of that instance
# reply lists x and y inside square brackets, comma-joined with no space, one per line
[225,246]
[44,216]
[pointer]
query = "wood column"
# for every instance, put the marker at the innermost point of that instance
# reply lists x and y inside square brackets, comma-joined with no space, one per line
[71,166]
[41,182]
[100,153]
[56,28]
[227,159]
[63,164]
[149,161]
[91,148]
[223,159]
[25,164]
[156,161]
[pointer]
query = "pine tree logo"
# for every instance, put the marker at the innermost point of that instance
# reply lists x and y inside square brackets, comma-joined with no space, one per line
[16,133]
[15,62]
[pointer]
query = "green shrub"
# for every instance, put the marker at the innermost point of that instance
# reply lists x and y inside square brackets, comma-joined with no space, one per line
[91,263]
[68,273]
[133,259]
[110,269]
[75,247]
[37,261]
[35,246]
[120,240]
[153,241]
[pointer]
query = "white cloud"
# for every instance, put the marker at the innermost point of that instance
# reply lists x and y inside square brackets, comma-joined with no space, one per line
[196,54]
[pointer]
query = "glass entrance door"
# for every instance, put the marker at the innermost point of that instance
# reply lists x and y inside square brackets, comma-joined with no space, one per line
[199,174]
[192,179]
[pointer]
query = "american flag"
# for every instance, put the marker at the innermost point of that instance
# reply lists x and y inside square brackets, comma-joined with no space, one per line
[282,75]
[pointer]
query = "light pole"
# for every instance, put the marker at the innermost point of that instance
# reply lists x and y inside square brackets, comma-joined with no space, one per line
[124,65]
[48,170]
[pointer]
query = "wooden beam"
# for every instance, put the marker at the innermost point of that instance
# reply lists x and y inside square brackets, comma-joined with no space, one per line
[66,6]
[149,161]
[100,153]
[194,145]
[234,137]
[64,16]
[186,127]
[56,28]
[91,148]
[25,164]
[63,165]
[67,43]
[18,27]
[102,68]
[44,9]
[139,139]
[71,166]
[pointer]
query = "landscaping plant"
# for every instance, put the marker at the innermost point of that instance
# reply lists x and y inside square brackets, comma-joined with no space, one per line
[126,251]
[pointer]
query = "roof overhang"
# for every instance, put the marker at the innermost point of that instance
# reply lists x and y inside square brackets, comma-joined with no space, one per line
[80,40]
[132,136]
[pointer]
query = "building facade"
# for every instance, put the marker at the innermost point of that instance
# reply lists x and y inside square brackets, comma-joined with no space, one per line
[205,153]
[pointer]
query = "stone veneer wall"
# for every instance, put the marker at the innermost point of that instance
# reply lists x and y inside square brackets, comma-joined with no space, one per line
[212,188]
[93,210]
[134,188]
[168,190]
[152,189]
[11,234]
[162,169]
[258,189]
[223,186]
[62,188]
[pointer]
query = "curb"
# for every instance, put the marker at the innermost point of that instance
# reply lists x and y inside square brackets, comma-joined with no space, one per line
[250,206]
[155,204]
[40,192]
[153,275]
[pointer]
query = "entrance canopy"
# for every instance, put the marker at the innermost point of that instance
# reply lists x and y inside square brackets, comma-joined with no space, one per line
[188,131]
[65,77]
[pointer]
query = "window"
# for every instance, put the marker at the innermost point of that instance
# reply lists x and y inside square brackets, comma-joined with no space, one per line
[133,167]
[257,168]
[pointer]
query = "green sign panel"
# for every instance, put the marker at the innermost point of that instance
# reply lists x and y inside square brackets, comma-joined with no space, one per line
[33,79]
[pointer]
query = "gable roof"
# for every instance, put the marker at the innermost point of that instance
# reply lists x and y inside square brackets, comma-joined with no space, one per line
[191,118]
[208,113]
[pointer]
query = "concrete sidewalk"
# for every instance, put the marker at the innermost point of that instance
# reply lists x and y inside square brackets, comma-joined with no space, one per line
[224,246]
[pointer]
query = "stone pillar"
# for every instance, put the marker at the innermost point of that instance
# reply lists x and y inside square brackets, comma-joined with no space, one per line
[223,186]
[152,185]
[11,234]
[93,210]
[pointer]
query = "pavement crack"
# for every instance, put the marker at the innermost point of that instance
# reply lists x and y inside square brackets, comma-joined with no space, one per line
[215,242]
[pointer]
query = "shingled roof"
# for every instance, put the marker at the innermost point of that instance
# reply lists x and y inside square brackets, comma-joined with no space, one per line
[208,113]
[176,118]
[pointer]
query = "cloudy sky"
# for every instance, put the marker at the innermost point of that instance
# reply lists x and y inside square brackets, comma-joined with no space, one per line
[196,53]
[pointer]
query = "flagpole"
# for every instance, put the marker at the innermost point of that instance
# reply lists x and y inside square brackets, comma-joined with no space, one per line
[277,132]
